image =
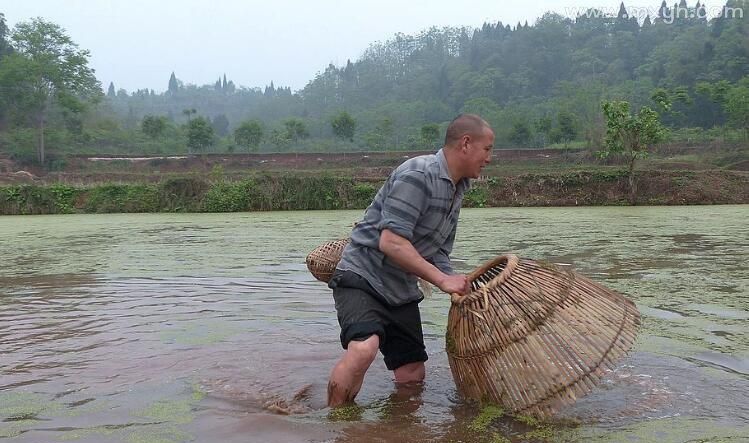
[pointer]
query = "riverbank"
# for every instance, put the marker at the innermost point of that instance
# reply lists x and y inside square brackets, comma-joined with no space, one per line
[292,191]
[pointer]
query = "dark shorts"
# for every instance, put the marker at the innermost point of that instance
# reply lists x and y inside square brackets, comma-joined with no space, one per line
[362,313]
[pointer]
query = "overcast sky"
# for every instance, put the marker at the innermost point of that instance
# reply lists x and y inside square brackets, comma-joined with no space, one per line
[138,43]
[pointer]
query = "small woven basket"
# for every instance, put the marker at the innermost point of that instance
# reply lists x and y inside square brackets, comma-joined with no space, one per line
[322,261]
[534,337]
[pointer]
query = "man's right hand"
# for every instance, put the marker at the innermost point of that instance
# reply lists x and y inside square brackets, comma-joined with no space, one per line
[453,284]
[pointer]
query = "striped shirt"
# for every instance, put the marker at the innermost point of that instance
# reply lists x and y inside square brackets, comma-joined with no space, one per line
[418,202]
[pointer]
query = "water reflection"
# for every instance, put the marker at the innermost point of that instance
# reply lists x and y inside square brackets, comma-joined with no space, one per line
[208,327]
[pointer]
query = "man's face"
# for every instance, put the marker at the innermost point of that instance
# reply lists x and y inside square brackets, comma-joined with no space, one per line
[478,153]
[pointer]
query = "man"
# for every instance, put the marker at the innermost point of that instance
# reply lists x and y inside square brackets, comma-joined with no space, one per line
[407,232]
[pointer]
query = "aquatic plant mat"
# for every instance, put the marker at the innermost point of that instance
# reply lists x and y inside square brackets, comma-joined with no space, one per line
[534,336]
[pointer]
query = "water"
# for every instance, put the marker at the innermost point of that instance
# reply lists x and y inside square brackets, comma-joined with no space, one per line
[171,328]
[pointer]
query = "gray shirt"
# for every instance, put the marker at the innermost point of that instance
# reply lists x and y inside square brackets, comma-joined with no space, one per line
[418,202]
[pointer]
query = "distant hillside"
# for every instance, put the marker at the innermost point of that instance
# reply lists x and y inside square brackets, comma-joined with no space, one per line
[506,73]
[538,84]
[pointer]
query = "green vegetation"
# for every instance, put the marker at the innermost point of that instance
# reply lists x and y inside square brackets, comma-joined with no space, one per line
[488,414]
[477,196]
[249,134]
[45,72]
[346,413]
[199,134]
[595,83]
[265,193]
[630,136]
[344,126]
[153,126]
[321,190]
[399,94]
[532,428]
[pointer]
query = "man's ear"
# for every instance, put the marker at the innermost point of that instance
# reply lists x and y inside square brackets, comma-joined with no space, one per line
[464,142]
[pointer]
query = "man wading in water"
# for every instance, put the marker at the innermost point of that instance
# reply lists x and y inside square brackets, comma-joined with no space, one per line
[407,232]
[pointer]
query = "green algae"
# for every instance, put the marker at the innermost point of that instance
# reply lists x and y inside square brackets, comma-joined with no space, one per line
[198,334]
[527,420]
[198,393]
[167,415]
[675,429]
[499,438]
[155,434]
[16,427]
[19,406]
[171,411]
[78,434]
[21,411]
[542,433]
[486,416]
[484,426]
[450,343]
[352,412]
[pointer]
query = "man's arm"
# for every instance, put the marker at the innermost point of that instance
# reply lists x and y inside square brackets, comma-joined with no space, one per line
[403,253]
[441,259]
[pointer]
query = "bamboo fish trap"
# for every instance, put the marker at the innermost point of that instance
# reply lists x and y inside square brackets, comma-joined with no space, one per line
[534,337]
[322,261]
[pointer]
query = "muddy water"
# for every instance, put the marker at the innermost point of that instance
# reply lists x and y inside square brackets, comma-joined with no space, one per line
[172,328]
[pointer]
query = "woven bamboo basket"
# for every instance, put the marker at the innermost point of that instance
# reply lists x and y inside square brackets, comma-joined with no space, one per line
[322,261]
[534,337]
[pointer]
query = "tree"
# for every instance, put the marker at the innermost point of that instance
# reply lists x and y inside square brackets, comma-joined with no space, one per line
[188,112]
[566,129]
[733,98]
[295,129]
[46,69]
[630,136]
[382,135]
[5,46]
[430,134]
[543,127]
[661,99]
[111,91]
[173,84]
[520,134]
[663,12]
[344,126]
[221,125]
[249,134]
[737,106]
[5,49]
[199,134]
[153,126]
[280,139]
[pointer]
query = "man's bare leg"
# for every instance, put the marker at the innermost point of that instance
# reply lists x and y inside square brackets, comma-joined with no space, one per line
[348,374]
[410,373]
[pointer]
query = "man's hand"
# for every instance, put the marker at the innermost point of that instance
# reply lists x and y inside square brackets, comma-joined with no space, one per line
[403,253]
[453,284]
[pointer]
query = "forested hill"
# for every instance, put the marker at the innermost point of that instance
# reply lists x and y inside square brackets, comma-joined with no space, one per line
[507,73]
[536,83]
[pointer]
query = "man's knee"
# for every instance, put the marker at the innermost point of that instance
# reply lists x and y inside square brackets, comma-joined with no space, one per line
[410,373]
[362,353]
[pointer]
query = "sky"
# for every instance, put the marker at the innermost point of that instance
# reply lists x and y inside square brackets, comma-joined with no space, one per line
[138,43]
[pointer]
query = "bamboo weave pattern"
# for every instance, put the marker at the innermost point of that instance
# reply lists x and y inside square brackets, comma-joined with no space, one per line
[322,261]
[534,337]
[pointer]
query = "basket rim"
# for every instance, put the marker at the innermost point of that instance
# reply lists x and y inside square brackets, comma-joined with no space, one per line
[510,260]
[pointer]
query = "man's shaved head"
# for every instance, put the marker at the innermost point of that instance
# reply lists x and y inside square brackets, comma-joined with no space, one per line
[465,124]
